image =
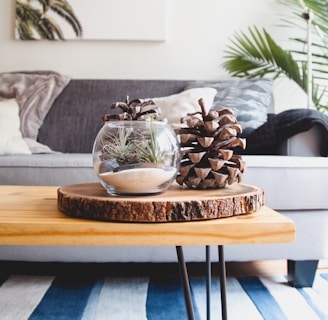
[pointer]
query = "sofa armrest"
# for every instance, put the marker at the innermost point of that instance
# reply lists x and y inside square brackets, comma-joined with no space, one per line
[306,144]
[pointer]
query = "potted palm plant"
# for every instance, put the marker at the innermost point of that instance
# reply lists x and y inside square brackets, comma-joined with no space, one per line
[255,54]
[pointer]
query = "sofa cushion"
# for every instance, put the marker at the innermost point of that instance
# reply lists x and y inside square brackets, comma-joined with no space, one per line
[289,182]
[75,118]
[301,144]
[11,140]
[47,169]
[250,99]
[176,106]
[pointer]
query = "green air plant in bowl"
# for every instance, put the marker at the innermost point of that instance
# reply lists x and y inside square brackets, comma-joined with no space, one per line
[134,153]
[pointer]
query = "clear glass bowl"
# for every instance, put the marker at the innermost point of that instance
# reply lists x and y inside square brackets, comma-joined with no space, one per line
[136,157]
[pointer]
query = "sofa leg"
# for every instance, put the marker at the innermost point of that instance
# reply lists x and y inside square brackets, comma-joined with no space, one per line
[301,273]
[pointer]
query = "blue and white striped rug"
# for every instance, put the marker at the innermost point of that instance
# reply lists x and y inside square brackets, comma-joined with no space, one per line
[76,297]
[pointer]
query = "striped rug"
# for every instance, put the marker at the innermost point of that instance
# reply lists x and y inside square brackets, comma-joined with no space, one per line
[77,297]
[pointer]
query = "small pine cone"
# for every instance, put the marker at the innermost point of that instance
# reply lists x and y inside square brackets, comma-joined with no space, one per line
[137,109]
[207,143]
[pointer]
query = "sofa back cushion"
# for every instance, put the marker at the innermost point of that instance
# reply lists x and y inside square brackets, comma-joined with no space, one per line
[251,100]
[75,117]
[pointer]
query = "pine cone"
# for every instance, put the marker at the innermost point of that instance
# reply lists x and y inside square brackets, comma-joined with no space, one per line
[136,109]
[207,156]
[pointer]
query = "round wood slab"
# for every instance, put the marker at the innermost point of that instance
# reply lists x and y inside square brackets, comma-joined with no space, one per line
[91,201]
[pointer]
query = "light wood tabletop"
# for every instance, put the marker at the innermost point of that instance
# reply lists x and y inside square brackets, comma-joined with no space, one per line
[29,216]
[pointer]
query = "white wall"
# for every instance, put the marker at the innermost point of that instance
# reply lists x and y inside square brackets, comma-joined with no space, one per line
[197,34]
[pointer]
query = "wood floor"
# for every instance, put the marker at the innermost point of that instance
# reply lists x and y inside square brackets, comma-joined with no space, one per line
[253,268]
[262,268]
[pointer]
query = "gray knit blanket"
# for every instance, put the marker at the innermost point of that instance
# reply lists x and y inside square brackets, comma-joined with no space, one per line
[279,127]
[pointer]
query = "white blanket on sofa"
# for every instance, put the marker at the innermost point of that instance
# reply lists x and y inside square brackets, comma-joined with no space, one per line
[35,93]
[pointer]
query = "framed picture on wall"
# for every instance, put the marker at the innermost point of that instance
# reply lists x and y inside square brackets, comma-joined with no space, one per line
[137,20]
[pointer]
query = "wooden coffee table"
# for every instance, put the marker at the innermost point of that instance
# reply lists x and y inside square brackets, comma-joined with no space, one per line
[29,216]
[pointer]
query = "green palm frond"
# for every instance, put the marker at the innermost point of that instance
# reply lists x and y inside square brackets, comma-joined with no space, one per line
[30,19]
[256,54]
[25,17]
[34,20]
[63,9]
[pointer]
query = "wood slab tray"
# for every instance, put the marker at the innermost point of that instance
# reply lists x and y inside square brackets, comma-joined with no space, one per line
[91,201]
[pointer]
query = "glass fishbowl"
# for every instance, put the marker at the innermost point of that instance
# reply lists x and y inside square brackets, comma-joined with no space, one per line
[133,157]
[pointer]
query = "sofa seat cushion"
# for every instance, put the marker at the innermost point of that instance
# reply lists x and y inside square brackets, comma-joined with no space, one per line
[289,182]
[47,169]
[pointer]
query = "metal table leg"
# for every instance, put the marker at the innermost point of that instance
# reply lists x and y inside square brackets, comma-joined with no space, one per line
[208,282]
[185,283]
[223,280]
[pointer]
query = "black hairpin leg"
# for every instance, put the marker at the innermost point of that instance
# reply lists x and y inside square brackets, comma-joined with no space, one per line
[223,280]
[208,282]
[185,283]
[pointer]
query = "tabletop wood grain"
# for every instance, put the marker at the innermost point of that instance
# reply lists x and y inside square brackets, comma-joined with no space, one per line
[29,216]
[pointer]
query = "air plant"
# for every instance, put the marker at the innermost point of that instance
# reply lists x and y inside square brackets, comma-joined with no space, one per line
[129,145]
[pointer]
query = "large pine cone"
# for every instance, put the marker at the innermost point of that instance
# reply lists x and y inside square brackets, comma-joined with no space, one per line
[207,156]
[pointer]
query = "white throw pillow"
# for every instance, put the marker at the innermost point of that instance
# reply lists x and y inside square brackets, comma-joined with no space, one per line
[176,106]
[11,140]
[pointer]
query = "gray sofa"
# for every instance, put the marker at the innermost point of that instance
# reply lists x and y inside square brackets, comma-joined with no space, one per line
[293,172]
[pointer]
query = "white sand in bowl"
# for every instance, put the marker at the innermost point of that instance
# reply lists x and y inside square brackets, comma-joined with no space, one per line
[140,180]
